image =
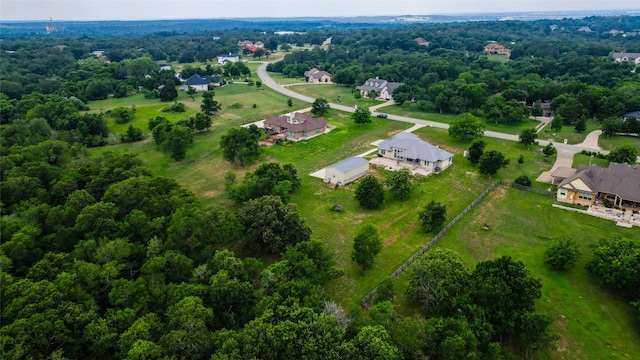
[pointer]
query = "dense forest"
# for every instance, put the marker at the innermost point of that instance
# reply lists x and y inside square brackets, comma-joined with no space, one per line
[102,259]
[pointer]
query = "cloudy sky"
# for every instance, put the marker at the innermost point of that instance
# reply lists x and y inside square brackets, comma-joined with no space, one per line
[191,9]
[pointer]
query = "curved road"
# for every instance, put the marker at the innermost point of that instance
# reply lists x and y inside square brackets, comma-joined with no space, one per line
[269,82]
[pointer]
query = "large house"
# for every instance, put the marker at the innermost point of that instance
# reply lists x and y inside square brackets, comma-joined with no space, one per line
[297,126]
[223,59]
[627,57]
[409,150]
[496,49]
[346,171]
[618,185]
[383,88]
[315,76]
[199,83]
[421,41]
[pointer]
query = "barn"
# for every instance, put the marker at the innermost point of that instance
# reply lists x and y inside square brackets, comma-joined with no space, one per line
[346,171]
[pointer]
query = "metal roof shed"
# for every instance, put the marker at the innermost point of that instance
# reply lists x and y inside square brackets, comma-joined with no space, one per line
[346,171]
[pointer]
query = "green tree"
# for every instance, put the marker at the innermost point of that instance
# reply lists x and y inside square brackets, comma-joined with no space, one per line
[534,332]
[556,123]
[610,127]
[132,134]
[372,95]
[616,262]
[271,225]
[362,115]
[433,216]
[623,154]
[450,338]
[581,125]
[476,150]
[562,254]
[370,193]
[491,162]
[290,102]
[366,246]
[549,150]
[466,127]
[399,183]
[169,92]
[436,281]
[522,180]
[528,137]
[191,91]
[177,142]
[240,145]
[209,105]
[320,107]
[372,342]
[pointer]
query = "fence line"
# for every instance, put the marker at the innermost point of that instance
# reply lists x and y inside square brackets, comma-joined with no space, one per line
[365,300]
[528,188]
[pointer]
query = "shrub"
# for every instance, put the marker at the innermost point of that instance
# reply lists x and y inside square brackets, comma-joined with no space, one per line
[522,180]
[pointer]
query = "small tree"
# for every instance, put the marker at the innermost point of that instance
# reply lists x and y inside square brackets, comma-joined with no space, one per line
[319,107]
[209,106]
[362,115]
[562,254]
[366,246]
[399,183]
[168,92]
[433,216]
[492,161]
[386,291]
[549,150]
[372,95]
[528,137]
[191,91]
[370,193]
[520,160]
[581,125]
[623,154]
[522,180]
[466,127]
[556,123]
[290,102]
[476,150]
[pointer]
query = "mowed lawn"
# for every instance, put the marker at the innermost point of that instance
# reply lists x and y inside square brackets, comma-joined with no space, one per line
[592,323]
[331,92]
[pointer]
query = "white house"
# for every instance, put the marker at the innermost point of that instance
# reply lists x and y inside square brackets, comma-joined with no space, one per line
[346,171]
[315,76]
[223,59]
[409,150]
[383,88]
[199,83]
[627,57]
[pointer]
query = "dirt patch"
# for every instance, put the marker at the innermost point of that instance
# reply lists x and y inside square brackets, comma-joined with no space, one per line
[210,194]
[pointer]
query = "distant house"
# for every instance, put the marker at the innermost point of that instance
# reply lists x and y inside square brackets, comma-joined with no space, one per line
[199,83]
[409,150]
[245,43]
[258,44]
[383,88]
[165,66]
[421,41]
[297,126]
[584,29]
[618,185]
[315,76]
[346,171]
[627,57]
[496,49]
[547,110]
[223,59]
[635,114]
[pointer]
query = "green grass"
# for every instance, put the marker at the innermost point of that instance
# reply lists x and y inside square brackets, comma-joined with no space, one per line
[448,118]
[608,143]
[283,80]
[591,323]
[499,58]
[568,132]
[330,92]
[580,159]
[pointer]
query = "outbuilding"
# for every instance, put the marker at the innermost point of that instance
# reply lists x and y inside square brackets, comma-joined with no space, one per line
[346,171]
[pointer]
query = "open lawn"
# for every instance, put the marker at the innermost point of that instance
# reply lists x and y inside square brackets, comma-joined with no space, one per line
[283,80]
[580,159]
[592,323]
[448,118]
[331,92]
[568,132]
[608,143]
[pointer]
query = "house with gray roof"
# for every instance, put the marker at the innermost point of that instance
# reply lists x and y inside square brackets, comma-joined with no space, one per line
[383,88]
[409,150]
[618,185]
[199,83]
[296,126]
[346,171]
[627,57]
[315,76]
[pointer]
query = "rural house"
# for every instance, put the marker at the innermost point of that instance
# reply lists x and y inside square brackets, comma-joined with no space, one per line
[627,57]
[315,76]
[383,88]
[411,151]
[421,41]
[223,59]
[346,171]
[496,49]
[297,126]
[618,185]
[199,83]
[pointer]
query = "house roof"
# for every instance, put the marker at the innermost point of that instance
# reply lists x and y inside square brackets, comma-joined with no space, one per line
[414,148]
[297,122]
[626,55]
[378,85]
[635,114]
[619,179]
[196,79]
[421,41]
[349,164]
[227,56]
[563,172]
[316,74]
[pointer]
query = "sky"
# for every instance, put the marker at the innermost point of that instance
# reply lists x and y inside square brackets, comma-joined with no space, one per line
[205,9]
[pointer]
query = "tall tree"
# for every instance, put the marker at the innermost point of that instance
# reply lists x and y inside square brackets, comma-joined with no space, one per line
[492,161]
[320,107]
[623,154]
[616,262]
[366,246]
[209,105]
[370,193]
[169,92]
[475,151]
[240,145]
[528,137]
[466,127]
[433,215]
[562,254]
[399,183]
[362,115]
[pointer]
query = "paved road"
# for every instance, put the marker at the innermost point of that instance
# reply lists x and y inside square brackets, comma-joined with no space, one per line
[269,82]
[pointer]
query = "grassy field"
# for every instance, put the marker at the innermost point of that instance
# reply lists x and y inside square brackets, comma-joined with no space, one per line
[580,159]
[331,92]
[592,323]
[568,132]
[608,143]
[448,118]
